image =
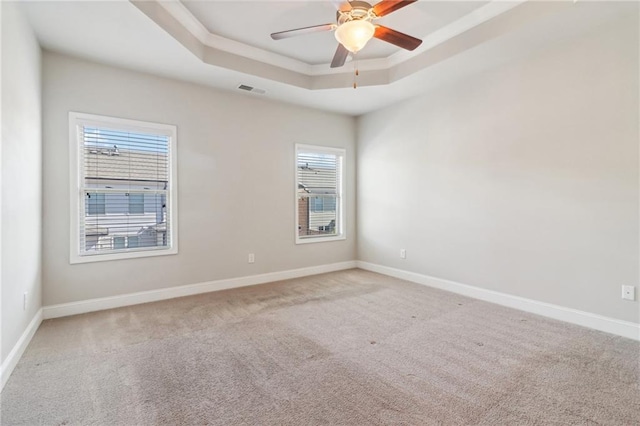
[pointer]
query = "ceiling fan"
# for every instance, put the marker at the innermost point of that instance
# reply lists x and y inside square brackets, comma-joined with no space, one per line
[354,27]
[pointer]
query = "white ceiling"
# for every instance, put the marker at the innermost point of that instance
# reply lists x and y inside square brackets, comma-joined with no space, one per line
[226,43]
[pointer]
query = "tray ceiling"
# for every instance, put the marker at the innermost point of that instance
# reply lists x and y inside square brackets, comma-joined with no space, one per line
[223,44]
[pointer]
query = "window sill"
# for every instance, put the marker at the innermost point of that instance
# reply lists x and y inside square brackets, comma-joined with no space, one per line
[133,254]
[310,240]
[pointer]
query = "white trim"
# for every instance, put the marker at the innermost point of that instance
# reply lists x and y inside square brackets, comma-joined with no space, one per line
[627,329]
[319,239]
[123,254]
[76,119]
[14,356]
[91,305]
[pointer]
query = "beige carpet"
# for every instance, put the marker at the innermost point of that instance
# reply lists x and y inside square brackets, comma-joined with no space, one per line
[347,348]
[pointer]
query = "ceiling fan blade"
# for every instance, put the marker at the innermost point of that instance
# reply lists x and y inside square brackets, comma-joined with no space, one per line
[302,31]
[396,37]
[340,57]
[385,7]
[341,5]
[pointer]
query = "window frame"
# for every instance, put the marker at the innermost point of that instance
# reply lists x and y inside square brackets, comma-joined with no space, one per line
[340,227]
[76,190]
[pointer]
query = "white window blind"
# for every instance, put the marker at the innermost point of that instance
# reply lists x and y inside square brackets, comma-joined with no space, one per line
[126,173]
[319,193]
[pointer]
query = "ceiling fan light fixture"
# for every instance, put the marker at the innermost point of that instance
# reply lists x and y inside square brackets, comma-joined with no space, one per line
[354,35]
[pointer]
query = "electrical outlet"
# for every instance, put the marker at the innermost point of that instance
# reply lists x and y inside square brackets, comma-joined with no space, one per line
[252,258]
[403,254]
[628,292]
[24,300]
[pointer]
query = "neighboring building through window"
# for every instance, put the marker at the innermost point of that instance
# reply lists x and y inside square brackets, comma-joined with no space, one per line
[319,192]
[125,184]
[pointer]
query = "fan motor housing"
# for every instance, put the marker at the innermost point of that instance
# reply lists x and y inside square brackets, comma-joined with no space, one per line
[359,10]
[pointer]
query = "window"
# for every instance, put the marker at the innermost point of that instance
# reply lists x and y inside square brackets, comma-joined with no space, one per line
[119,242]
[132,242]
[322,204]
[319,194]
[95,203]
[123,188]
[136,203]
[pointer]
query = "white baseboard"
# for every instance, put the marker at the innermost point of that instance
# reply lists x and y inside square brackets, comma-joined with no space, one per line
[586,319]
[91,305]
[16,353]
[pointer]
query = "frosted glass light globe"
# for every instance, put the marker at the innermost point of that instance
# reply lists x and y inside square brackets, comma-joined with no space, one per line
[354,35]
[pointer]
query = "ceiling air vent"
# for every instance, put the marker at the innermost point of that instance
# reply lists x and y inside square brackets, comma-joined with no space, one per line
[252,89]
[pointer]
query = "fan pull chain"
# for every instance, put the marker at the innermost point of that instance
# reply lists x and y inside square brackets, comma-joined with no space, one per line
[356,73]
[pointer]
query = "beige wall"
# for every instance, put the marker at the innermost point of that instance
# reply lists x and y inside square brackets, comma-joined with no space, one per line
[522,180]
[21,177]
[235,172]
